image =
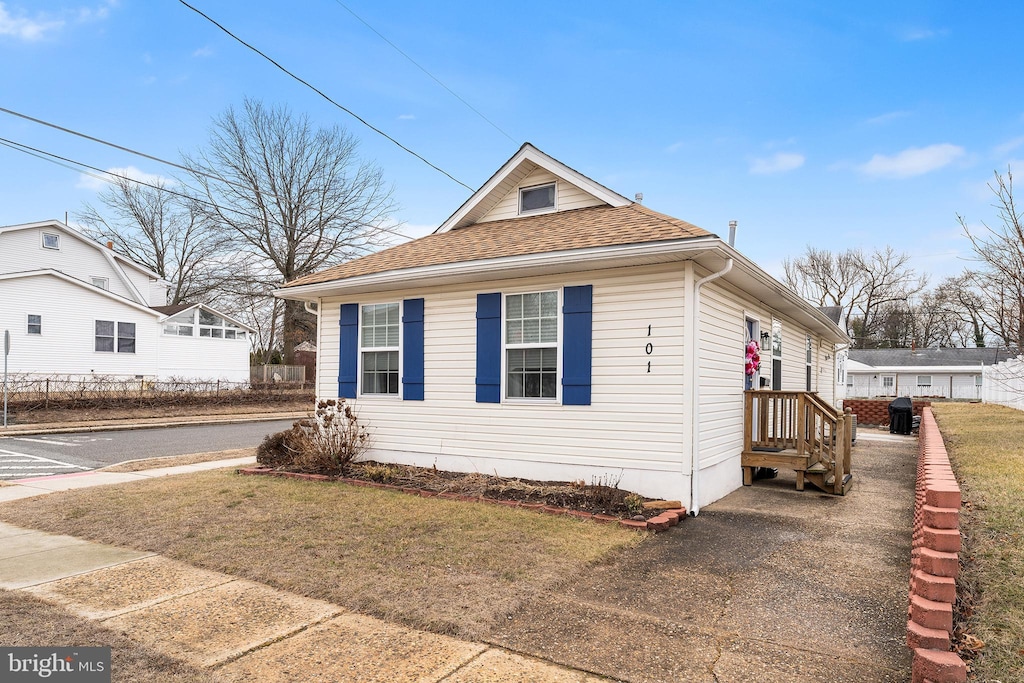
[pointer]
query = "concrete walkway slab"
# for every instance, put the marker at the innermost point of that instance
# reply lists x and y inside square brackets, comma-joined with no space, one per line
[222,622]
[36,557]
[127,587]
[498,666]
[355,648]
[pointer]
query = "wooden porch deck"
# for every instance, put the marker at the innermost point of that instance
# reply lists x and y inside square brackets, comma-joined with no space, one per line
[796,430]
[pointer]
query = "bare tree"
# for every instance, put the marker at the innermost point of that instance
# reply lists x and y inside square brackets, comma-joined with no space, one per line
[158,228]
[295,197]
[870,288]
[1000,254]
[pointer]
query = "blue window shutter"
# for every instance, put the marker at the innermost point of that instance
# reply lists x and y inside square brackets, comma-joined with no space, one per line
[348,361]
[577,338]
[488,348]
[412,350]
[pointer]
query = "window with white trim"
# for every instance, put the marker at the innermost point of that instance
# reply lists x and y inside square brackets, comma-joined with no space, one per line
[537,198]
[888,382]
[216,327]
[51,240]
[111,335]
[35,324]
[531,345]
[379,344]
[924,380]
[101,282]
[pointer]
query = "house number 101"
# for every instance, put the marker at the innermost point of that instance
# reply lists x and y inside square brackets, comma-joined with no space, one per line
[649,349]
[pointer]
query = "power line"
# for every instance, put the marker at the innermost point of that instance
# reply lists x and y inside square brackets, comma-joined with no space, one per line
[326,97]
[421,68]
[107,175]
[70,131]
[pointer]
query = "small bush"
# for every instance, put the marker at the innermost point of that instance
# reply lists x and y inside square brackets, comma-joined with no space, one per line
[382,474]
[634,503]
[326,443]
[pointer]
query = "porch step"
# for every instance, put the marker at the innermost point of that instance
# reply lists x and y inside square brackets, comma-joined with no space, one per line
[827,485]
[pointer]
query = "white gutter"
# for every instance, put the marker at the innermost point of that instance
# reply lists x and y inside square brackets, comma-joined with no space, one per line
[693,371]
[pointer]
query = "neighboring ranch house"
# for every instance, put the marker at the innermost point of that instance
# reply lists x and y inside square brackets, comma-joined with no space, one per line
[77,308]
[935,373]
[552,329]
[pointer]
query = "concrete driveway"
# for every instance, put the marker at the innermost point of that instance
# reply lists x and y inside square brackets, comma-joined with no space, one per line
[767,584]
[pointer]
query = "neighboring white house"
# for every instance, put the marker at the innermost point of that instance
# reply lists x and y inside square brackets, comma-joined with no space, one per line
[74,307]
[939,373]
[553,329]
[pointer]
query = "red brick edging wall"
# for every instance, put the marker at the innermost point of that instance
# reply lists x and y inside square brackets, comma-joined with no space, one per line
[935,562]
[660,522]
[876,411]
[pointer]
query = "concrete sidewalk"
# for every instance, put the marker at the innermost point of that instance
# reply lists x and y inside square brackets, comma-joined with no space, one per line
[240,630]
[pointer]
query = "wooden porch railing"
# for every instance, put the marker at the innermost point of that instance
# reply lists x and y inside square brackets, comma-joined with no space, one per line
[797,430]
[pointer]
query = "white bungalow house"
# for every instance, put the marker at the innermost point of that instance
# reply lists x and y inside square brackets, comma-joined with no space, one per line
[553,329]
[75,307]
[937,373]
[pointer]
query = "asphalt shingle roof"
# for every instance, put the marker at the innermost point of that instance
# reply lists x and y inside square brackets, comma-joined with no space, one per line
[930,357]
[598,226]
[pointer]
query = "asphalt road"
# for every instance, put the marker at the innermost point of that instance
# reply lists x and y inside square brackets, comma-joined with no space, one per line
[33,456]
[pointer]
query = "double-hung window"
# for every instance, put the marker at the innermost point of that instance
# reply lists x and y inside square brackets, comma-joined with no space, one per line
[531,345]
[35,324]
[379,346]
[111,335]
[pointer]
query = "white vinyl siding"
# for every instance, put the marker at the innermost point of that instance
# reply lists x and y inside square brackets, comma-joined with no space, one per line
[569,197]
[20,251]
[635,417]
[69,313]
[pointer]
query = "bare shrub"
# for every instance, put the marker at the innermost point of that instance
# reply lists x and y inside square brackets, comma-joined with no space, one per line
[327,443]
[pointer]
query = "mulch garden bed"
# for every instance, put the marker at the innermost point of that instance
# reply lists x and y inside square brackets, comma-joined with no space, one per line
[601,501]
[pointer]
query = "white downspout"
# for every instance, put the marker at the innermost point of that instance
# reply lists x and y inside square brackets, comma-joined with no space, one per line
[694,373]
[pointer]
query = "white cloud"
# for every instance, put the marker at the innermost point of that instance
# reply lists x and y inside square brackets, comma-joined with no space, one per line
[777,163]
[25,28]
[886,118]
[916,33]
[913,161]
[42,25]
[1008,146]
[88,182]
[406,117]
[205,51]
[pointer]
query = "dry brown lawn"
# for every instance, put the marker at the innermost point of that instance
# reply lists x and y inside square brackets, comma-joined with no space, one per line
[175,460]
[986,445]
[26,621]
[447,566]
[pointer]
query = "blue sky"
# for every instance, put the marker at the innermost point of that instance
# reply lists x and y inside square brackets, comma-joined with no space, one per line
[832,124]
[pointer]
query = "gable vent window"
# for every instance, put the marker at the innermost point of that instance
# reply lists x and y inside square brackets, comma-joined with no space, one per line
[101,282]
[51,240]
[537,198]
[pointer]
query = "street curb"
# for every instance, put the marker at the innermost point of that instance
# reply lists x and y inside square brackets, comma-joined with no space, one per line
[129,426]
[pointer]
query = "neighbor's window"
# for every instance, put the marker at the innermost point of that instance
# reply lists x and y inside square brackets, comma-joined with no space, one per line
[531,345]
[216,327]
[379,344]
[51,240]
[888,382]
[924,380]
[101,282]
[35,324]
[106,338]
[537,198]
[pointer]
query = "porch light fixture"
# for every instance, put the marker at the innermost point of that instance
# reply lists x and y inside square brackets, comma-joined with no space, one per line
[764,337]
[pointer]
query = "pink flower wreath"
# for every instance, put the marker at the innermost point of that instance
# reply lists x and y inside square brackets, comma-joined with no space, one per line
[753,363]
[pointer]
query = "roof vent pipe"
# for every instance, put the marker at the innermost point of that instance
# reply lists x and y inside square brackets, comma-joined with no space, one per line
[639,197]
[732,233]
